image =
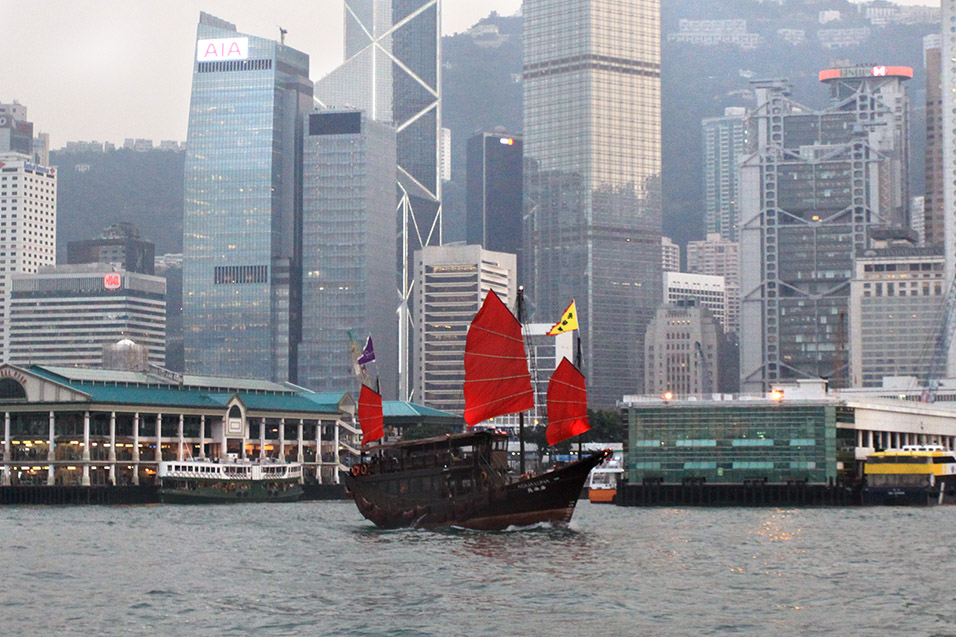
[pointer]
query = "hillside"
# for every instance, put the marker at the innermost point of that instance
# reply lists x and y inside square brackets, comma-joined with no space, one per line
[99,189]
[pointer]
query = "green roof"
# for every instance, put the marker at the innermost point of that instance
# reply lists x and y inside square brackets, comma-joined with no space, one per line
[398,410]
[136,388]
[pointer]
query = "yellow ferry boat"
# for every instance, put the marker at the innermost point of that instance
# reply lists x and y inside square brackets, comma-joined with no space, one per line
[915,474]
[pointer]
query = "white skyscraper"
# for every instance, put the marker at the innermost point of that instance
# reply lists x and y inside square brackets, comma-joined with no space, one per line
[450,284]
[27,225]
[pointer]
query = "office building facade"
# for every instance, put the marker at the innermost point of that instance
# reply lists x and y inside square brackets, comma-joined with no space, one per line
[451,282]
[724,144]
[816,184]
[670,255]
[592,177]
[718,257]
[933,198]
[242,218]
[493,199]
[66,315]
[897,304]
[392,70]
[27,226]
[348,258]
[681,350]
[708,290]
[119,244]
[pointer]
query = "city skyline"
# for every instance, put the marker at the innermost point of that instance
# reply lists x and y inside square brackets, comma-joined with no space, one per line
[132,73]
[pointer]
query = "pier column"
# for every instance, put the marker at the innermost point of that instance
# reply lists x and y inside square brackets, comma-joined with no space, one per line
[869,438]
[318,451]
[136,448]
[5,480]
[335,454]
[262,438]
[179,452]
[112,457]
[282,440]
[51,456]
[301,456]
[224,444]
[202,437]
[159,439]
[85,481]
[859,437]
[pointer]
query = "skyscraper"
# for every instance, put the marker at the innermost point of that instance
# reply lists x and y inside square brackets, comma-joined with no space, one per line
[348,256]
[242,218]
[816,186]
[933,201]
[118,243]
[450,284]
[725,142]
[493,197]
[27,226]
[392,70]
[592,144]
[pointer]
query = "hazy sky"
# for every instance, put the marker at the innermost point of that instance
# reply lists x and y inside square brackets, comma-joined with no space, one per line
[111,69]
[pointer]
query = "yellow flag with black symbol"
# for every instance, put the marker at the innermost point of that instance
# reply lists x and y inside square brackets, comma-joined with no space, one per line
[568,322]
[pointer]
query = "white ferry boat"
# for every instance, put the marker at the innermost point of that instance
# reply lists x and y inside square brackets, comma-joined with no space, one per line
[205,481]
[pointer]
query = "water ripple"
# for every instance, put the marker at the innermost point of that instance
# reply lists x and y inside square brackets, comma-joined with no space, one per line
[319,568]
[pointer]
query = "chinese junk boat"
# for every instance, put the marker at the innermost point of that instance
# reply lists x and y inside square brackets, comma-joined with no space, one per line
[463,479]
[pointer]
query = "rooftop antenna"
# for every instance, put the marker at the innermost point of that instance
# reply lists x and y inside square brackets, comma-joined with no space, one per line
[282,33]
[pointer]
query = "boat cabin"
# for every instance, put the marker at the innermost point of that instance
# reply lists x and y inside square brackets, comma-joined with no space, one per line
[486,450]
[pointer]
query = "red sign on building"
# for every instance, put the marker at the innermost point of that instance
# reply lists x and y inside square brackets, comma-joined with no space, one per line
[112,281]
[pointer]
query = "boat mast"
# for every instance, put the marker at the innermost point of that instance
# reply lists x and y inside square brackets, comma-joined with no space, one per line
[577,363]
[520,315]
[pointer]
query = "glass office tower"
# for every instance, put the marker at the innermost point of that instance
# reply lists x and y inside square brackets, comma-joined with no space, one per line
[242,218]
[493,168]
[592,145]
[392,70]
[348,257]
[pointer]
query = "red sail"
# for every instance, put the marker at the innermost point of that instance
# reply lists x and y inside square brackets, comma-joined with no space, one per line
[370,415]
[497,381]
[567,404]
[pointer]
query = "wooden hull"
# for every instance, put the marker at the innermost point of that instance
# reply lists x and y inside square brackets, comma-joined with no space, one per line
[602,495]
[549,497]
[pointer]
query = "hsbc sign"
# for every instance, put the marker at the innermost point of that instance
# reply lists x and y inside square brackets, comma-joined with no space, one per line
[112,281]
[222,49]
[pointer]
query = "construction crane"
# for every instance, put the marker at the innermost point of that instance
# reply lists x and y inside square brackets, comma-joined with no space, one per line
[944,341]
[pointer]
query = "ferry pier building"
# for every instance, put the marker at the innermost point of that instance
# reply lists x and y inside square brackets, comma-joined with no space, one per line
[89,427]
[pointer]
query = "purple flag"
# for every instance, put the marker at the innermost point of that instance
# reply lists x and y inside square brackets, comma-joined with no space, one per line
[368,354]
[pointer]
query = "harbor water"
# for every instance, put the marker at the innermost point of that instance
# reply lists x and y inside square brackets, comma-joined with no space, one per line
[317,568]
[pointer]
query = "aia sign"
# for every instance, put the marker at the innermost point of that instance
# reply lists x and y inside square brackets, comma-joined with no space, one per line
[222,49]
[112,281]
